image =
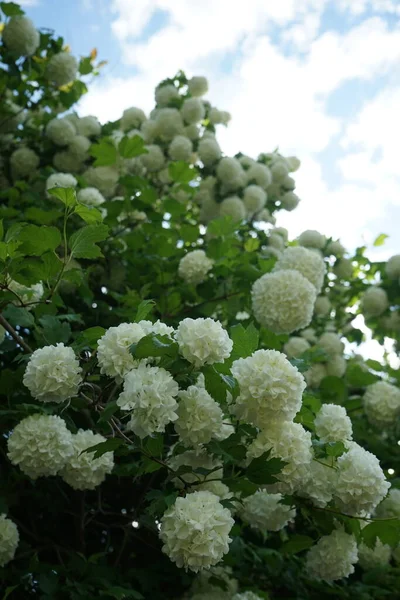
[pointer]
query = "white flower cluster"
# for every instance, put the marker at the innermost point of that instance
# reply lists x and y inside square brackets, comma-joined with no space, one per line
[296,346]
[378,556]
[60,131]
[21,36]
[60,180]
[27,295]
[389,507]
[195,459]
[322,306]
[62,68]
[246,596]
[105,179]
[82,471]
[53,374]
[9,539]
[149,395]
[203,341]
[393,267]
[307,262]
[40,445]
[194,267]
[319,485]
[335,365]
[199,417]
[374,301]
[312,239]
[88,126]
[23,162]
[131,118]
[270,388]
[291,443]
[283,301]
[265,512]
[202,587]
[332,424]
[333,557]
[382,404]
[195,531]
[90,196]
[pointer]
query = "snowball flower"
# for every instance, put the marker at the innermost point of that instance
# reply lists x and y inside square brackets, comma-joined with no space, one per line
[193,110]
[27,295]
[276,242]
[332,424]
[88,126]
[131,118]
[389,507]
[336,366]
[9,538]
[290,442]
[199,417]
[378,556]
[312,239]
[319,484]
[113,354]
[40,445]
[20,36]
[270,388]
[164,94]
[204,585]
[149,393]
[335,248]
[157,327]
[332,557]
[79,147]
[307,262]
[246,596]
[315,375]
[254,198]
[322,306]
[259,174]
[343,268]
[195,531]
[393,267]
[283,301]
[194,267]
[233,207]
[361,482]
[180,148]
[83,471]
[195,459]
[295,347]
[209,151]
[382,403]
[230,173]
[60,131]
[53,374]
[90,197]
[168,123]
[279,170]
[374,301]
[62,68]
[289,201]
[331,343]
[60,180]
[154,159]
[203,341]
[105,179]
[293,163]
[23,162]
[264,511]
[198,86]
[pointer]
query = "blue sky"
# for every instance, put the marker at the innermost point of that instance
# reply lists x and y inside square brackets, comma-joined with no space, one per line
[318,78]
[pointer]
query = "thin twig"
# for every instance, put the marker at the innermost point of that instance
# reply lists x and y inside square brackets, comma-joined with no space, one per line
[15,335]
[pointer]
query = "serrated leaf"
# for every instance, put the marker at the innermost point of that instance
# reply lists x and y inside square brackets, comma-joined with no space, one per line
[245,341]
[154,345]
[131,147]
[53,330]
[104,152]
[85,66]
[35,240]
[296,544]
[252,244]
[181,172]
[335,449]
[380,240]
[10,9]
[108,446]
[387,531]
[66,195]
[82,243]
[89,214]
[144,308]
[262,470]
[155,445]
[18,316]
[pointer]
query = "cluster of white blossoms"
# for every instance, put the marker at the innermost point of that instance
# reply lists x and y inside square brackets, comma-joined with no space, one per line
[194,267]
[21,36]
[82,471]
[195,459]
[65,180]
[389,508]
[27,295]
[374,301]
[53,374]
[319,484]
[378,556]
[200,418]
[312,239]
[40,445]
[296,346]
[246,596]
[392,268]
[283,301]
[105,179]
[334,365]
[270,388]
[149,395]
[307,262]
[90,196]
[382,404]
[203,341]
[9,539]
[23,162]
[322,306]
[203,586]
[333,556]
[332,424]
[60,131]
[265,512]
[62,68]
[195,531]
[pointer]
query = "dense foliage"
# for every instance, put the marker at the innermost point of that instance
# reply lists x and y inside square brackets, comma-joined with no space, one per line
[183,412]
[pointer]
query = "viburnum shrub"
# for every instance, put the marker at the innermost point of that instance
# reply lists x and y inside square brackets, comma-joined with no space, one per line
[184,412]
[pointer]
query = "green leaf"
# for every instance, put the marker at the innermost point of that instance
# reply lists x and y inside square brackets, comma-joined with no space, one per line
[243,486]
[245,341]
[18,316]
[387,531]
[380,240]
[181,172]
[230,449]
[296,544]
[85,66]
[251,244]
[83,242]
[217,384]
[262,470]
[131,147]
[10,9]
[222,227]
[144,308]
[333,389]
[109,410]
[155,445]
[37,240]
[335,449]
[53,330]
[1,229]
[89,337]
[9,591]
[104,152]
[66,195]
[306,417]
[154,345]
[109,446]
[359,377]
[89,214]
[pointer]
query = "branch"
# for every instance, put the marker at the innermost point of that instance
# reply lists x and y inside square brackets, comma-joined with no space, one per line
[15,335]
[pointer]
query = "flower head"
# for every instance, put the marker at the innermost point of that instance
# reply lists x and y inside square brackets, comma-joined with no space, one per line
[203,341]
[83,471]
